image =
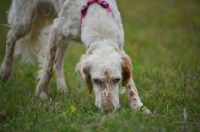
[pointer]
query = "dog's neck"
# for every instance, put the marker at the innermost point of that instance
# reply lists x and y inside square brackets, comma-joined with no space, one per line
[99,25]
[102,3]
[104,43]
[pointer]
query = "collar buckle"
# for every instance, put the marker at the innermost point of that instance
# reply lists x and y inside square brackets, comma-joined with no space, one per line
[104,4]
[84,9]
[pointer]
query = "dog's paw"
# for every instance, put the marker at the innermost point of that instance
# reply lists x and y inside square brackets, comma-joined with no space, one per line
[142,109]
[145,110]
[43,87]
[42,91]
[42,94]
[62,88]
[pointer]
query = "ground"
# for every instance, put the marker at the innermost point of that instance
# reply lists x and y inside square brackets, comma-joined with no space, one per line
[163,41]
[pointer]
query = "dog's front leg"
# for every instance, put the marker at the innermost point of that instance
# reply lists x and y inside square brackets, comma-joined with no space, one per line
[134,99]
[45,77]
[61,84]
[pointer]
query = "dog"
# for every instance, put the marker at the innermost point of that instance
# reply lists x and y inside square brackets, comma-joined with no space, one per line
[96,23]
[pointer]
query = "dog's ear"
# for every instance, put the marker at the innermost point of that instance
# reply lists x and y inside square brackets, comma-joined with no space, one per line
[83,69]
[126,68]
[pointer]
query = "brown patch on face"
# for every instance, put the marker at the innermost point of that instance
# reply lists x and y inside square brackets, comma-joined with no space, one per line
[106,95]
[132,93]
[109,96]
[107,103]
[109,106]
[106,73]
[103,86]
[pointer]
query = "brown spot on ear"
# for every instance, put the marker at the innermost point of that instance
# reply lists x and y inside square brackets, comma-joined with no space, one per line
[132,93]
[88,82]
[89,85]
[126,66]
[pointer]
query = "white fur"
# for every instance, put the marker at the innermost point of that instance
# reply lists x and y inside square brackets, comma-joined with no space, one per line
[103,65]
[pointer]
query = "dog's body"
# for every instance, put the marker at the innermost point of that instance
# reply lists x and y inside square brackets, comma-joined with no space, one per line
[104,64]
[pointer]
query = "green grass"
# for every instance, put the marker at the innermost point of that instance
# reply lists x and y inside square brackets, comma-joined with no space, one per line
[163,40]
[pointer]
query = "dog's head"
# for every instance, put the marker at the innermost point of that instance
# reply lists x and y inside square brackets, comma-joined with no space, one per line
[103,66]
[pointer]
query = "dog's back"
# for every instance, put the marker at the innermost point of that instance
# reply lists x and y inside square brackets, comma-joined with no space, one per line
[33,18]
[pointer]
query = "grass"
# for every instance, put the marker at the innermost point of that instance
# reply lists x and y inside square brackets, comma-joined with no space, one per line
[163,40]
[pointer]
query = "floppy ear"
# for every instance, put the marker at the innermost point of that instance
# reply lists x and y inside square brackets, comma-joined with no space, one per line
[126,67]
[83,69]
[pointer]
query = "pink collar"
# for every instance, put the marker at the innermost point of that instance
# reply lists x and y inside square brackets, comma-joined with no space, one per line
[103,4]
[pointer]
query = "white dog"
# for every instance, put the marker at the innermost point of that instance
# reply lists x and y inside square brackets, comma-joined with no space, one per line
[97,24]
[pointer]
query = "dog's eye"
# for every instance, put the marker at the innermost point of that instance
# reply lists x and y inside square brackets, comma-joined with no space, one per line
[116,80]
[97,81]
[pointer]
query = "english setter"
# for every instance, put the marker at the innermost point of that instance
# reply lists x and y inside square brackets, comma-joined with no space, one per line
[97,24]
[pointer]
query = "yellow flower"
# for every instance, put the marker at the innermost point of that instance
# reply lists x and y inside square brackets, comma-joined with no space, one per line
[73,108]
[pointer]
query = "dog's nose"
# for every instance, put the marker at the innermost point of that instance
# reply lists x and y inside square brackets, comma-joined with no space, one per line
[108,109]
[108,106]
